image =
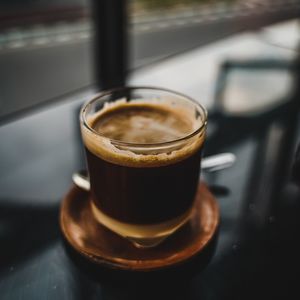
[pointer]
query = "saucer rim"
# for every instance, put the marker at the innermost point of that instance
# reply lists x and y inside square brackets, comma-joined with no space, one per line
[130,264]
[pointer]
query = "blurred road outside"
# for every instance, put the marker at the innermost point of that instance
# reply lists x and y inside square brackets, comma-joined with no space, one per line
[45,61]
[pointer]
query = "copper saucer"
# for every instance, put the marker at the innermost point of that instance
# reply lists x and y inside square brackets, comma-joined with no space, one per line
[103,247]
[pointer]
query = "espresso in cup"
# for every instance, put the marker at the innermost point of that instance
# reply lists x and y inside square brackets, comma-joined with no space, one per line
[143,157]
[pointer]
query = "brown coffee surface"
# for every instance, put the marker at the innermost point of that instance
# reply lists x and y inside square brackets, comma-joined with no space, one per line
[142,123]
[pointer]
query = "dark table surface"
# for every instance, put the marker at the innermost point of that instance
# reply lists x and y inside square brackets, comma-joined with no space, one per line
[257,251]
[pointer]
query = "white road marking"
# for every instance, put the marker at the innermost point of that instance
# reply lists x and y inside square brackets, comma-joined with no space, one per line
[162,25]
[16,44]
[144,27]
[180,22]
[83,35]
[41,41]
[197,21]
[63,38]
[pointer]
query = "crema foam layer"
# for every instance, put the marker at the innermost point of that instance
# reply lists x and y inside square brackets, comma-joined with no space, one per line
[142,124]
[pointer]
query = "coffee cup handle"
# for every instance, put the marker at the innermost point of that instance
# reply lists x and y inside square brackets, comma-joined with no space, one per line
[212,163]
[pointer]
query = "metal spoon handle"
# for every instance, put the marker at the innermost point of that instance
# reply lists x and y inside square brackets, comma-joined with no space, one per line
[81,181]
[218,162]
[210,164]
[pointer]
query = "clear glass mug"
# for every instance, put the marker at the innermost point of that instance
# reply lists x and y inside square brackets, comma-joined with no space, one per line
[143,188]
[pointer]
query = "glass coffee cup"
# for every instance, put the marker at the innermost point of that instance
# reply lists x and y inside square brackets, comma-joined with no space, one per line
[143,148]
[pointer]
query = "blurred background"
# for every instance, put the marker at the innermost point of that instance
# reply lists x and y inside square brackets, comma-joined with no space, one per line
[238,58]
[46,48]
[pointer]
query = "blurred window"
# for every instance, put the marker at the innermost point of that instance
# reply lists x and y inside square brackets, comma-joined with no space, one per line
[44,51]
[45,46]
